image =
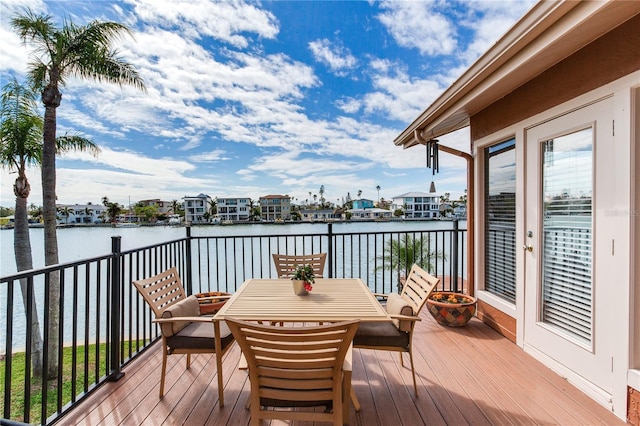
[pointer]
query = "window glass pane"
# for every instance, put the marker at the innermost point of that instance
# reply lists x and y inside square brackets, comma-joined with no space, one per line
[500,222]
[567,170]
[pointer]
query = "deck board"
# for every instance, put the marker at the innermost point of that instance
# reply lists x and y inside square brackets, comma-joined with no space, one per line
[470,375]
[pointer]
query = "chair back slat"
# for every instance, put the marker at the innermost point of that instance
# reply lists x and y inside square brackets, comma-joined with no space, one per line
[286,264]
[418,286]
[162,290]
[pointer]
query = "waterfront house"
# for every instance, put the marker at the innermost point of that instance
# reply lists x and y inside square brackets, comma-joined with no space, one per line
[460,211]
[234,209]
[417,205]
[324,215]
[164,207]
[81,213]
[362,203]
[196,207]
[373,213]
[553,110]
[275,207]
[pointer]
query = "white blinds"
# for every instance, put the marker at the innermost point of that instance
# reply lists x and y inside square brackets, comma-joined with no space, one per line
[567,234]
[500,224]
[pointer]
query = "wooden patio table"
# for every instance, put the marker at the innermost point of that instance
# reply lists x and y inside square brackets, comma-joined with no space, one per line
[331,300]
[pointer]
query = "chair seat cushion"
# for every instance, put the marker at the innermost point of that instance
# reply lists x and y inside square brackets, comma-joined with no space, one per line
[380,334]
[200,335]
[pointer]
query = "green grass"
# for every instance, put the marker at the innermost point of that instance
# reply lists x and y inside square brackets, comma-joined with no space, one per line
[35,410]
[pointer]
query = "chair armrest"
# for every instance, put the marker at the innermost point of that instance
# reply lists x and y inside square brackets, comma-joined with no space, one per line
[405,317]
[190,319]
[382,296]
[215,297]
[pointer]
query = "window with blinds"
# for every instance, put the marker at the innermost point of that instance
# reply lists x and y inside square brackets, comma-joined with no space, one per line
[500,220]
[567,174]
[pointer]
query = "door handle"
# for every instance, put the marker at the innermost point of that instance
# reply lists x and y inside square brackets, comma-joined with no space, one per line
[528,248]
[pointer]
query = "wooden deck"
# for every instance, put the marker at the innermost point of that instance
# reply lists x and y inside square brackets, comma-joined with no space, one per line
[470,375]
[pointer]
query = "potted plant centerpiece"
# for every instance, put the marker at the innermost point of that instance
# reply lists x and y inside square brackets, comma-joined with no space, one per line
[451,309]
[303,277]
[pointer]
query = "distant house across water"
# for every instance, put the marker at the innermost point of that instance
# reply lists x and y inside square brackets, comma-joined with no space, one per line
[196,207]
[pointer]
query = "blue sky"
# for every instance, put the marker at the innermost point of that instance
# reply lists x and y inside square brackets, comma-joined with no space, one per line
[246,99]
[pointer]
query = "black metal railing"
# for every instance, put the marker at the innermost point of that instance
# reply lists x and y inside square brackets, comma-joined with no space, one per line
[104,323]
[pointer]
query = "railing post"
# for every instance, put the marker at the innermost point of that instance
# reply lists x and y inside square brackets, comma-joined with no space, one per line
[188,276]
[330,248]
[115,373]
[454,255]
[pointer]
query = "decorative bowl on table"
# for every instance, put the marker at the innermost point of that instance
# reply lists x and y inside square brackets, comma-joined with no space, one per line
[210,302]
[451,309]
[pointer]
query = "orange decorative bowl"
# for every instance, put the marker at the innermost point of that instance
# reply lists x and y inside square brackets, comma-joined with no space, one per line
[451,309]
[212,303]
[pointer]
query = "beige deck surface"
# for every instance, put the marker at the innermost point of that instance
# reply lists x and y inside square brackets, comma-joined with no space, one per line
[465,376]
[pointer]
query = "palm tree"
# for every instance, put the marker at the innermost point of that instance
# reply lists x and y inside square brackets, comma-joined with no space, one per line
[35,212]
[60,53]
[65,211]
[402,252]
[254,210]
[175,207]
[359,193]
[213,207]
[378,189]
[113,209]
[88,211]
[21,136]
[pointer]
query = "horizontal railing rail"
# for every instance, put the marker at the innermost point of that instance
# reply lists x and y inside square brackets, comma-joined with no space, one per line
[104,323]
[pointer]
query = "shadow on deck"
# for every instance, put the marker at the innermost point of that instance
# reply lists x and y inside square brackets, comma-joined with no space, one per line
[470,375]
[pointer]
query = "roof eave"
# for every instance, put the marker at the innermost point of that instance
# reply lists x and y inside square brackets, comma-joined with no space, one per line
[544,36]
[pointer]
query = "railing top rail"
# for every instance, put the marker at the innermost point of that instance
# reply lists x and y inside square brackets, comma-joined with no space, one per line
[164,243]
[53,268]
[67,265]
[324,234]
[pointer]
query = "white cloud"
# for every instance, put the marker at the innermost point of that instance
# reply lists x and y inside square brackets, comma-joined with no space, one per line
[490,20]
[223,20]
[211,156]
[396,94]
[12,51]
[337,58]
[349,106]
[107,175]
[418,24]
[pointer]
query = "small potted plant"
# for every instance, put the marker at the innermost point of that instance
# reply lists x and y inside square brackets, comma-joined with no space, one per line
[451,309]
[303,277]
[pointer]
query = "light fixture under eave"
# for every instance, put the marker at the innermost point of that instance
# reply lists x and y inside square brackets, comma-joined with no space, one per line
[432,188]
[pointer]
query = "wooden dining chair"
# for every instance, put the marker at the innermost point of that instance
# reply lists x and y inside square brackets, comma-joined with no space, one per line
[183,329]
[404,310]
[286,264]
[295,367]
